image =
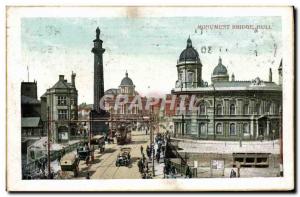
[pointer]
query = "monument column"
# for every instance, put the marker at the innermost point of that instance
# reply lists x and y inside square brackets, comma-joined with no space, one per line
[98,71]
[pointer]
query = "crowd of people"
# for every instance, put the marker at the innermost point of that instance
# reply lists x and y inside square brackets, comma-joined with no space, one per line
[155,151]
[143,166]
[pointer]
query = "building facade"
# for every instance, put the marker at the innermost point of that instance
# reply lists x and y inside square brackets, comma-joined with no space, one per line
[226,109]
[31,123]
[59,105]
[126,110]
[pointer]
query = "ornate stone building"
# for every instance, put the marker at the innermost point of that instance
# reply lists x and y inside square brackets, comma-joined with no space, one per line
[59,105]
[226,109]
[124,111]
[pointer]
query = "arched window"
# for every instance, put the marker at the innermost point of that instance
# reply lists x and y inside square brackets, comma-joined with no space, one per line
[232,129]
[245,128]
[246,109]
[219,109]
[202,109]
[202,128]
[232,109]
[219,129]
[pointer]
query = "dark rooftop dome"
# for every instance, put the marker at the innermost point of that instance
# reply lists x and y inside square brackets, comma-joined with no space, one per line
[220,69]
[126,81]
[189,54]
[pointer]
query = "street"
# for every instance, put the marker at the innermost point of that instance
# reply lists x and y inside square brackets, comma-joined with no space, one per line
[104,164]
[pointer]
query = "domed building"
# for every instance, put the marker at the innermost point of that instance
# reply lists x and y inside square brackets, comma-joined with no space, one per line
[127,86]
[189,67]
[228,110]
[225,110]
[220,73]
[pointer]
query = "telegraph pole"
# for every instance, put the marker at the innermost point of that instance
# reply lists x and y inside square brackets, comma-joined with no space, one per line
[48,145]
[281,142]
[90,139]
[152,140]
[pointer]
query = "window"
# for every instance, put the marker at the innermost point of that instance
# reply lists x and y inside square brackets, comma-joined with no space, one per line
[246,109]
[190,77]
[180,76]
[219,129]
[62,114]
[73,101]
[219,109]
[202,109]
[245,128]
[32,155]
[61,100]
[232,109]
[257,108]
[202,129]
[232,129]
[268,107]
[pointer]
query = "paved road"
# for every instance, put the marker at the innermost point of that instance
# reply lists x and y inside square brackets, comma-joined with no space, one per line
[104,166]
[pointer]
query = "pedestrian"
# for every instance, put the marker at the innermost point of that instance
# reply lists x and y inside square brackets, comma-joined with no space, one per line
[187,172]
[147,167]
[157,157]
[148,151]
[142,149]
[163,150]
[88,176]
[87,160]
[140,165]
[165,171]
[44,163]
[174,172]
[238,166]
[232,173]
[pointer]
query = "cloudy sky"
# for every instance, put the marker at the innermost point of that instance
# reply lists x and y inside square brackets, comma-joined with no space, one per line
[148,48]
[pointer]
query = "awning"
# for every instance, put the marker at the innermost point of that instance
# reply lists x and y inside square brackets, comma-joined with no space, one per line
[31,122]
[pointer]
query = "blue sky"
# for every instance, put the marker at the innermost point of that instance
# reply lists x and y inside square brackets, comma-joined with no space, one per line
[147,47]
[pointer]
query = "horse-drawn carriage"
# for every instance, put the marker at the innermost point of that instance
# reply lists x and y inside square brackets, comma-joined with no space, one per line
[83,152]
[124,158]
[99,142]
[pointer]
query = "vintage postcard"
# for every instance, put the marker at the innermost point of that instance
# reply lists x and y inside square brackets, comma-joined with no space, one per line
[150,98]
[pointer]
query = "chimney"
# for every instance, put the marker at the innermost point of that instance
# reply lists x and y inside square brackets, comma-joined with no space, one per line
[232,77]
[61,77]
[270,75]
[73,79]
